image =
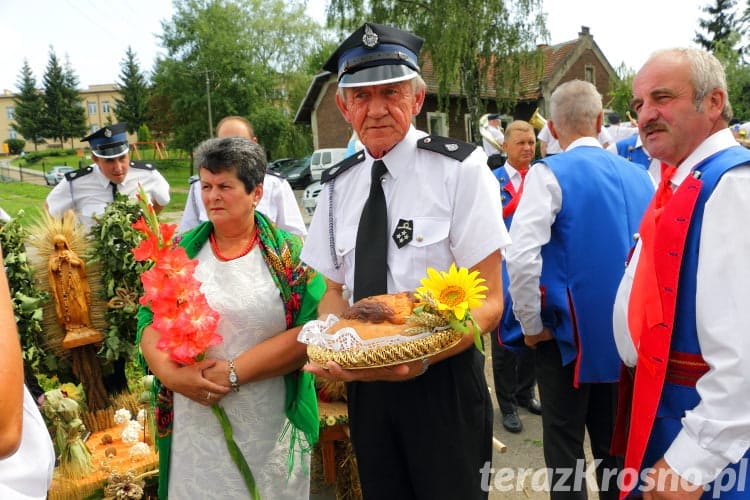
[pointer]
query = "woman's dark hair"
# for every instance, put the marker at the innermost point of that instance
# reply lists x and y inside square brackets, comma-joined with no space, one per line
[245,157]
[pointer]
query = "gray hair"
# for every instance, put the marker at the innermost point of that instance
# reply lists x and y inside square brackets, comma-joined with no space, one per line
[417,84]
[574,107]
[243,156]
[706,74]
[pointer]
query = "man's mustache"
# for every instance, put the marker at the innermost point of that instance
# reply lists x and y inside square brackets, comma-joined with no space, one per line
[653,127]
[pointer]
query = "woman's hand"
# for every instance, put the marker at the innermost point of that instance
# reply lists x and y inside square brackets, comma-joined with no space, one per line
[395,373]
[218,373]
[190,381]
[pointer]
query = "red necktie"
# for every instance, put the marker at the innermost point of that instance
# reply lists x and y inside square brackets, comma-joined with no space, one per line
[510,208]
[644,308]
[664,191]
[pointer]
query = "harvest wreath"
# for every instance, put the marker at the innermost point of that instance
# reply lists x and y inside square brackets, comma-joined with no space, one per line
[390,329]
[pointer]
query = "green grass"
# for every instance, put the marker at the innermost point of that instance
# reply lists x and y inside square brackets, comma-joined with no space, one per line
[30,198]
[23,196]
[176,170]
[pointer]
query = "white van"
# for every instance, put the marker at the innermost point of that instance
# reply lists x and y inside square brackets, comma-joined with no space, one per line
[323,159]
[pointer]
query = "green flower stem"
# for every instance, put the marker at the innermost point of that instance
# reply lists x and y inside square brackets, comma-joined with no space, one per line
[235,452]
[461,326]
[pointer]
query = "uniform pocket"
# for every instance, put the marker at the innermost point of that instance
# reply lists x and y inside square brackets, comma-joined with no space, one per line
[429,245]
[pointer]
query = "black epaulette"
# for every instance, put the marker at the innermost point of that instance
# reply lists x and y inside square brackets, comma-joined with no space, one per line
[274,173]
[142,165]
[342,166]
[75,174]
[458,150]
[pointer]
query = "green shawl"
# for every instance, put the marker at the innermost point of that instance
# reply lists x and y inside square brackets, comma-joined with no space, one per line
[300,288]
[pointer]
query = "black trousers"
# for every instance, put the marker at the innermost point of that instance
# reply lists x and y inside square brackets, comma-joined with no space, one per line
[567,412]
[513,374]
[426,438]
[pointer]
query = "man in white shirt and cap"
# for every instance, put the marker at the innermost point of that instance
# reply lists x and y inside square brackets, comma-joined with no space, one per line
[88,190]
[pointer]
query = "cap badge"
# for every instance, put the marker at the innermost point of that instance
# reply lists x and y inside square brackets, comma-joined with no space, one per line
[370,38]
[451,147]
[107,133]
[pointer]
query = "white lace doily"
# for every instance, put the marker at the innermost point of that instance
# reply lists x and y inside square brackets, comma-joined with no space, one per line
[346,339]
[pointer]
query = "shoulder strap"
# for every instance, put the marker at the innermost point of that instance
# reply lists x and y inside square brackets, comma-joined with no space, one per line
[141,165]
[452,148]
[342,166]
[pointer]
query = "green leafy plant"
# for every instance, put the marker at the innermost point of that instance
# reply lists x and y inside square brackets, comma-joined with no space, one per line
[112,241]
[27,298]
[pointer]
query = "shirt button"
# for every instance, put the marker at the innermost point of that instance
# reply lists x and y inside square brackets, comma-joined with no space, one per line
[419,239]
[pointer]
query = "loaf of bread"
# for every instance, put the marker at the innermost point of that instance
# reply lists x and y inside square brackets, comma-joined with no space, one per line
[377,316]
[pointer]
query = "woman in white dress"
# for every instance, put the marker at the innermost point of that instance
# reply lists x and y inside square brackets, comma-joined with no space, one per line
[251,275]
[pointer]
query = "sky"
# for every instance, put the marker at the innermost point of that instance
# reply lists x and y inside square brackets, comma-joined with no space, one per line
[94,34]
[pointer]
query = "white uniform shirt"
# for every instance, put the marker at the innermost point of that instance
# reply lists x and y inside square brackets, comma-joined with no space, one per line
[89,194]
[553,146]
[496,134]
[717,431]
[620,131]
[278,203]
[4,217]
[537,210]
[27,473]
[453,207]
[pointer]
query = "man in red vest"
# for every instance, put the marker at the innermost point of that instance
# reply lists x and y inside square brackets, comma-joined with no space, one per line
[681,311]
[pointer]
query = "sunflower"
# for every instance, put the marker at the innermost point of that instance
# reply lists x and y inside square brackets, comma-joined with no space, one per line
[455,291]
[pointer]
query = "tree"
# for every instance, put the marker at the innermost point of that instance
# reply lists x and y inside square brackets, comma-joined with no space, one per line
[474,45]
[719,25]
[29,107]
[75,114]
[133,106]
[227,58]
[621,90]
[738,76]
[64,117]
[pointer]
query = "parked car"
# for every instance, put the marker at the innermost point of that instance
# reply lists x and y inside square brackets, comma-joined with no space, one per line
[310,197]
[325,158]
[281,163]
[56,174]
[297,173]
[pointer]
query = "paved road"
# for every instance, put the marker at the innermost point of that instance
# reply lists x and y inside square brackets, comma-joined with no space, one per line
[18,173]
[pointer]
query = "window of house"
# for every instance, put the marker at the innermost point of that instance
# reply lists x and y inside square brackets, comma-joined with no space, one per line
[94,127]
[92,108]
[12,134]
[10,113]
[437,123]
[588,73]
[105,107]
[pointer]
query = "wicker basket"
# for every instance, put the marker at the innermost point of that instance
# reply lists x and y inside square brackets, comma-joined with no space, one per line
[404,352]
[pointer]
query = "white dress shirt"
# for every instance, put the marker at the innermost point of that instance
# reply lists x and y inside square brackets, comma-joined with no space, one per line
[89,194]
[538,208]
[278,203]
[453,207]
[717,431]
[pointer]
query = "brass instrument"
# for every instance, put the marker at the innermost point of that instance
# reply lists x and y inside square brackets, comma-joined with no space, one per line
[537,120]
[484,130]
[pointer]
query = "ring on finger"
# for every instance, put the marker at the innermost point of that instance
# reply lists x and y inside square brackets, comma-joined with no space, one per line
[208,396]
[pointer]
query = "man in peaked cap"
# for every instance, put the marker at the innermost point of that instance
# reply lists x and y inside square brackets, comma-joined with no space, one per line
[87,191]
[407,202]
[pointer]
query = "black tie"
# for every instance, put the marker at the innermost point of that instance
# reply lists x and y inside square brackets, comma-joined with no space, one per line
[371,252]
[114,190]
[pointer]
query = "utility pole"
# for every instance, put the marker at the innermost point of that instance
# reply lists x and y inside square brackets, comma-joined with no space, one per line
[208,98]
